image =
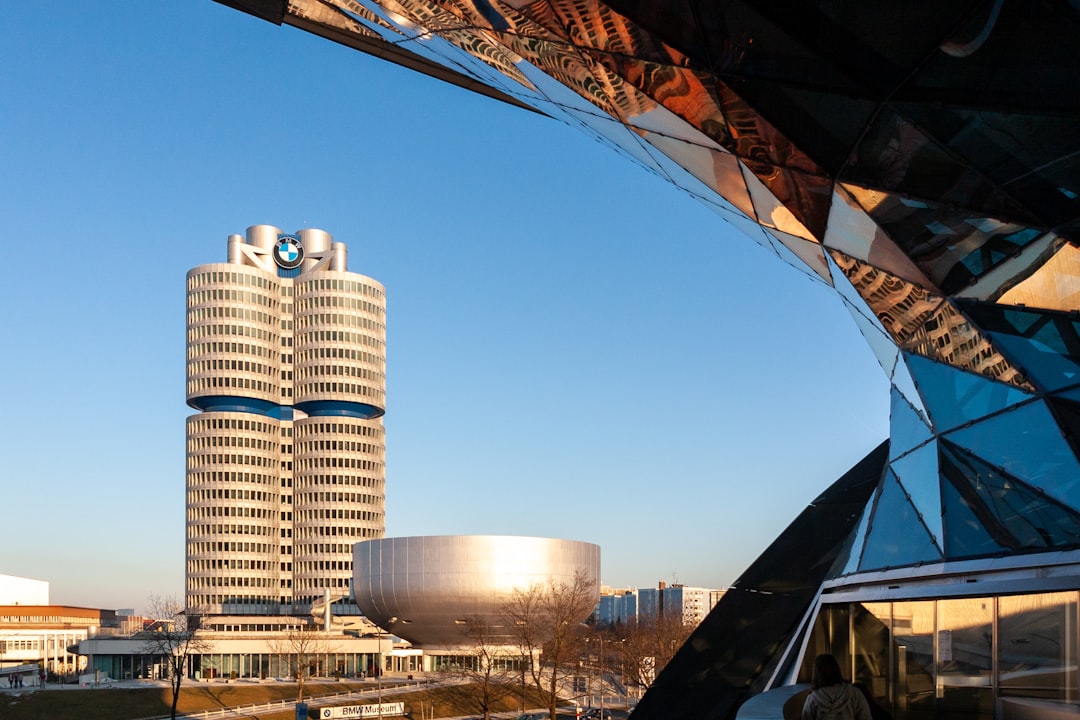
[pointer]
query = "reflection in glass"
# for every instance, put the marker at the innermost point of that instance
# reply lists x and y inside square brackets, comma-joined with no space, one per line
[948,336]
[913,658]
[870,649]
[965,657]
[1037,641]
[957,398]
[897,534]
[908,428]
[918,475]
[902,307]
[1026,443]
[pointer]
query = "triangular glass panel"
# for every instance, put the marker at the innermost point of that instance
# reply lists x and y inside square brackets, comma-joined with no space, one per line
[1069,394]
[880,344]
[1044,343]
[1054,284]
[790,175]
[907,428]
[809,253]
[852,231]
[965,536]
[902,381]
[896,537]
[1027,443]
[918,475]
[1014,514]
[852,564]
[894,153]
[1067,413]
[955,397]
[769,210]
[902,307]
[719,171]
[948,336]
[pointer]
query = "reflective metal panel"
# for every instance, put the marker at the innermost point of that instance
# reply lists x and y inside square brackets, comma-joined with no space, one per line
[423,588]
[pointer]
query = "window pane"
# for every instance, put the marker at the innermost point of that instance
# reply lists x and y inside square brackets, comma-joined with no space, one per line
[1037,641]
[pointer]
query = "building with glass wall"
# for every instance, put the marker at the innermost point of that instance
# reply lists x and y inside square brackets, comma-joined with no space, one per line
[286,362]
[921,160]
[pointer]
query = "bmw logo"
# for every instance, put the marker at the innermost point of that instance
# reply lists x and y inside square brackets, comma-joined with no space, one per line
[288,252]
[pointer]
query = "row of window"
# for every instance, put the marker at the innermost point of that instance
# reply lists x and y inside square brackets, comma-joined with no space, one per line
[341,301]
[201,548]
[320,426]
[305,287]
[206,348]
[340,353]
[319,462]
[312,481]
[251,279]
[220,330]
[319,583]
[255,443]
[196,512]
[216,295]
[304,321]
[305,372]
[213,312]
[337,514]
[312,337]
[199,582]
[231,477]
[196,368]
[236,564]
[339,446]
[230,459]
[341,388]
[338,497]
[322,531]
[198,529]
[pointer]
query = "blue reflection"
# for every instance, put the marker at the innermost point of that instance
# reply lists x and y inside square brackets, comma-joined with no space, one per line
[897,537]
[955,397]
[1015,514]
[907,428]
[918,475]
[1026,443]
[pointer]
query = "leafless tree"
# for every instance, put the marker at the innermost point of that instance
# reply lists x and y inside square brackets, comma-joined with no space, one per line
[174,637]
[303,647]
[649,643]
[488,670]
[544,619]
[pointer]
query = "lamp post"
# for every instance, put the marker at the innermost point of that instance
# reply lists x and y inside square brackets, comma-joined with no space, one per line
[600,637]
[379,667]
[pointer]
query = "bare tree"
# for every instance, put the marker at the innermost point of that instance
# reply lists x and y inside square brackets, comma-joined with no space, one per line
[174,637]
[303,647]
[649,643]
[488,669]
[544,619]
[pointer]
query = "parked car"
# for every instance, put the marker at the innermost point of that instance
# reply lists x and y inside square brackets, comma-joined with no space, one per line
[596,714]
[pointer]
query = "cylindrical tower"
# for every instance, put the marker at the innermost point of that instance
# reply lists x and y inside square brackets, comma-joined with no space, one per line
[286,460]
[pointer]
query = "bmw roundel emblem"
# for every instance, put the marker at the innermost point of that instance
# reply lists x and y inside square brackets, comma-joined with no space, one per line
[288,252]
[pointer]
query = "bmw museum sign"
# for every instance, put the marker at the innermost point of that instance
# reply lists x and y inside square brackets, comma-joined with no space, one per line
[362,711]
[288,252]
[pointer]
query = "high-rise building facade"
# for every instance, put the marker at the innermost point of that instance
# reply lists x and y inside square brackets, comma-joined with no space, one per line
[286,363]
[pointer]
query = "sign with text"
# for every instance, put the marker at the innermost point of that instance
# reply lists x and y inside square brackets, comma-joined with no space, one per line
[362,711]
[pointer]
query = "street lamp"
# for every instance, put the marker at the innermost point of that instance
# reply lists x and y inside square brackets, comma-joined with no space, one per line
[600,637]
[379,667]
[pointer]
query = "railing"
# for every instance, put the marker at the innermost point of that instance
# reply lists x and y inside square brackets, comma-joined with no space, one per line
[403,686]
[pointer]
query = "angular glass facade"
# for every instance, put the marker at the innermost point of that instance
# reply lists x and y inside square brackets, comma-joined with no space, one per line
[920,158]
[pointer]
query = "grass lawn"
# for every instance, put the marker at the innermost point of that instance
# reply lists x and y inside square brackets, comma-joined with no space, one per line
[133,703]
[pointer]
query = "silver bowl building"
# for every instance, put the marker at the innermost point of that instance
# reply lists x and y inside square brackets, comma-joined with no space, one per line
[424,588]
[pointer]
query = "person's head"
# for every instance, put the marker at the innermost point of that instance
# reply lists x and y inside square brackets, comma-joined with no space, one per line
[826,672]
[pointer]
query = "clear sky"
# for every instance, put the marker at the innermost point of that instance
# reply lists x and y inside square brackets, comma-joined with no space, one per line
[575,348]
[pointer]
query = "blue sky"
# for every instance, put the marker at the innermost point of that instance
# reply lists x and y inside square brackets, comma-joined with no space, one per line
[575,348]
